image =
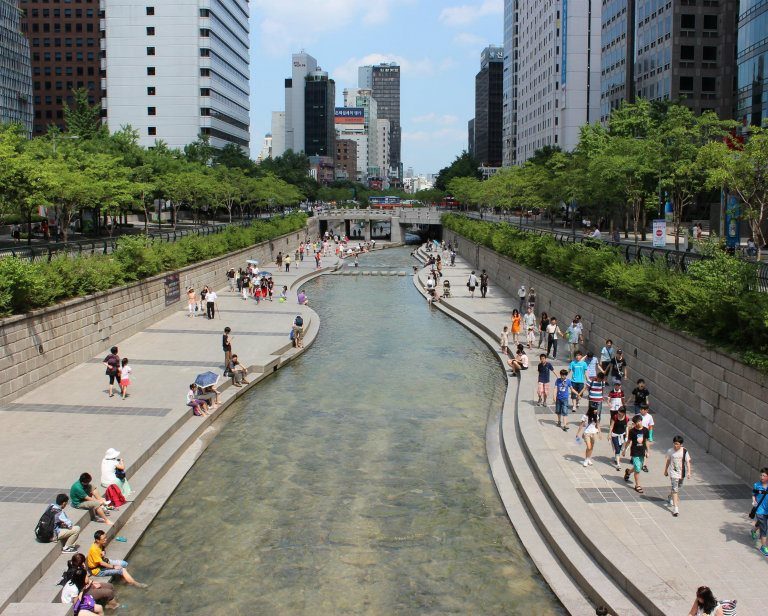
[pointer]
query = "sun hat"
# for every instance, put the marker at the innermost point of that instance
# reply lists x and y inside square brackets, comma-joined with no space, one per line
[112,454]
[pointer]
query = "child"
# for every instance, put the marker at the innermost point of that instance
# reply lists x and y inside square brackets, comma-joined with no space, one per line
[647,420]
[563,389]
[504,340]
[641,394]
[199,406]
[284,295]
[616,398]
[639,446]
[125,377]
[590,428]
[542,387]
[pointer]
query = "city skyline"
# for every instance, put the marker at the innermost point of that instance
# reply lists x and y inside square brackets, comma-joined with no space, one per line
[438,47]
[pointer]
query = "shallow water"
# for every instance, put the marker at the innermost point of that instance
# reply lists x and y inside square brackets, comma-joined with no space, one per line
[354,481]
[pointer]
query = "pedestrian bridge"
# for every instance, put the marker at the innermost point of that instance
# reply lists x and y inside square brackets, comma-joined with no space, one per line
[369,224]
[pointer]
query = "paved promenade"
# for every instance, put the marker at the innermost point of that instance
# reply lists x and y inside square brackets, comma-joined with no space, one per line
[63,427]
[665,557]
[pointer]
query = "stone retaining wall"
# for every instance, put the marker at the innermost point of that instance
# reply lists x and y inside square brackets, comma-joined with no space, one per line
[46,342]
[714,399]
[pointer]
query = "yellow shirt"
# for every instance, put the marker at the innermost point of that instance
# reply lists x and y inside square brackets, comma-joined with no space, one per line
[95,556]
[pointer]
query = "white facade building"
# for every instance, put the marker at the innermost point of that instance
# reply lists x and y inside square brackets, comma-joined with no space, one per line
[278,133]
[295,136]
[556,53]
[178,69]
[359,97]
[266,149]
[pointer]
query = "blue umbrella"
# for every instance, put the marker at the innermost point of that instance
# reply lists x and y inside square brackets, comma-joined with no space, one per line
[265,274]
[206,379]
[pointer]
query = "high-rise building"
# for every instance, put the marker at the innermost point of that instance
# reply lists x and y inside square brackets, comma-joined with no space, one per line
[176,71]
[509,85]
[346,160]
[278,133]
[363,98]
[489,108]
[266,149]
[383,139]
[302,65]
[617,62]
[556,56]
[350,126]
[384,81]
[687,51]
[752,54]
[15,69]
[319,116]
[65,41]
[471,137]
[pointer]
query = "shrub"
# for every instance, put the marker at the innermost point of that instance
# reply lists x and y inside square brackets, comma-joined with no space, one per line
[715,299]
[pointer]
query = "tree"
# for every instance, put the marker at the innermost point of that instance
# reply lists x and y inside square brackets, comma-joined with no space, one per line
[743,171]
[229,188]
[83,119]
[200,151]
[465,165]
[466,190]
[233,157]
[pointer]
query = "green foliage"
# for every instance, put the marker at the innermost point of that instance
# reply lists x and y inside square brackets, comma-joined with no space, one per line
[82,118]
[464,166]
[715,299]
[25,285]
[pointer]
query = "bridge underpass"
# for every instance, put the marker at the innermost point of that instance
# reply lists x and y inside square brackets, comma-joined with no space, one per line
[391,225]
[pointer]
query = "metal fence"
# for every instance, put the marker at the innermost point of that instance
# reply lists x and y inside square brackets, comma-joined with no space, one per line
[103,246]
[674,259]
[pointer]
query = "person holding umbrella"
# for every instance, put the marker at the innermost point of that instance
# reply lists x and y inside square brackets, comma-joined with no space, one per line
[206,387]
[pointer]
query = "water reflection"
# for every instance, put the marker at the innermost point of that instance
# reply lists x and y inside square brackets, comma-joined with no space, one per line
[354,481]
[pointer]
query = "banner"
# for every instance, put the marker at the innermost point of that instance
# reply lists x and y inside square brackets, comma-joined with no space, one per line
[659,233]
[732,222]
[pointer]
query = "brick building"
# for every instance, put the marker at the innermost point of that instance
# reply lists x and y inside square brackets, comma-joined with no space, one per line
[346,160]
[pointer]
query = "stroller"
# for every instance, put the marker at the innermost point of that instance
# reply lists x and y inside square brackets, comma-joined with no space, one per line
[446,288]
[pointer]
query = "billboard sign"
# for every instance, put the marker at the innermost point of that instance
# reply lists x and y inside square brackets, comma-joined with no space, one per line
[659,233]
[350,115]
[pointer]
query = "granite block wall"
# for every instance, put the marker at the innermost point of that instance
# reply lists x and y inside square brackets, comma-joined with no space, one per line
[715,400]
[46,342]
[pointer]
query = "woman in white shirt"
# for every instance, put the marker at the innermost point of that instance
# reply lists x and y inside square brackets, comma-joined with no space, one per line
[113,462]
[590,429]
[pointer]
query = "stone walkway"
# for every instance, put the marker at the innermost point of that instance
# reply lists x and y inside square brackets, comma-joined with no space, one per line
[63,427]
[708,544]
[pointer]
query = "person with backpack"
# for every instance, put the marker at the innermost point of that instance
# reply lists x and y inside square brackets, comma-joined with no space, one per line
[298,332]
[677,468]
[54,525]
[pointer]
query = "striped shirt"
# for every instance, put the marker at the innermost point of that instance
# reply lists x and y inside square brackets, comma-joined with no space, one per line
[595,389]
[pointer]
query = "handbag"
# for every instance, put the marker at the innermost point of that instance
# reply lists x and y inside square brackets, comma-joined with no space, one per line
[753,512]
[85,602]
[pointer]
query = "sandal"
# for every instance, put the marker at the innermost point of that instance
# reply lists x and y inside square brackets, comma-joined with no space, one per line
[638,489]
[645,469]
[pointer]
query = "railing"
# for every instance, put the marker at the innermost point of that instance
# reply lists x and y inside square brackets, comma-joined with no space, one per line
[674,259]
[103,246]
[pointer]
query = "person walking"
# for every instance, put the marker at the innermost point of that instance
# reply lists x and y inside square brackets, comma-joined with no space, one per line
[210,304]
[590,429]
[677,468]
[125,377]
[529,324]
[544,368]
[522,297]
[618,433]
[573,334]
[517,325]
[760,511]
[619,369]
[563,389]
[226,346]
[192,301]
[553,335]
[483,282]
[232,279]
[472,284]
[607,354]
[637,442]
[112,363]
[543,324]
[578,371]
[287,262]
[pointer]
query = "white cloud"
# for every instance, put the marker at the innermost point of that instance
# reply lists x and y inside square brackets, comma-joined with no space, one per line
[435,119]
[347,72]
[467,39]
[287,25]
[464,14]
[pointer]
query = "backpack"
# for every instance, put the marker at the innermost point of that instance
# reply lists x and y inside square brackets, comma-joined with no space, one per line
[46,525]
[299,322]
[728,607]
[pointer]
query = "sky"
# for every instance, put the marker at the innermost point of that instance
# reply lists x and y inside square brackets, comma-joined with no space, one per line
[437,44]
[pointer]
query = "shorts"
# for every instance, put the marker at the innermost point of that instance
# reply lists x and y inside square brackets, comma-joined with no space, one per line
[676,484]
[589,440]
[110,572]
[542,389]
[578,387]
[125,382]
[113,378]
[561,407]
[637,463]
[761,522]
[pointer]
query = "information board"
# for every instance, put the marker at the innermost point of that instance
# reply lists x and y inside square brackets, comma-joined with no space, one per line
[172,289]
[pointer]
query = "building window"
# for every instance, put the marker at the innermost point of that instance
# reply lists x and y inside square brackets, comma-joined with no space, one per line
[708,84]
[686,84]
[205,32]
[205,53]
[150,70]
[205,92]
[205,13]
[205,72]
[150,31]
[687,52]
[150,51]
[205,111]
[151,91]
[710,22]
[151,111]
[150,10]
[709,54]
[151,130]
[688,22]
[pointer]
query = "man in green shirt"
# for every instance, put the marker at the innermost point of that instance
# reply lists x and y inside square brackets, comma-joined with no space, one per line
[84,496]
